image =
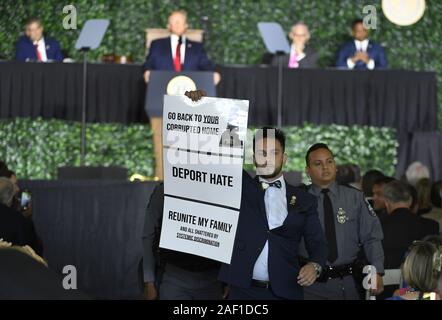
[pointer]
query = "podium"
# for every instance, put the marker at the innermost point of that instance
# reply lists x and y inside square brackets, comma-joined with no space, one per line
[174,83]
[171,83]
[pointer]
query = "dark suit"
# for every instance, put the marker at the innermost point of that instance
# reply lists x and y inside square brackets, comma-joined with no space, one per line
[160,56]
[17,229]
[253,232]
[25,50]
[177,275]
[401,228]
[429,227]
[21,277]
[374,50]
[309,61]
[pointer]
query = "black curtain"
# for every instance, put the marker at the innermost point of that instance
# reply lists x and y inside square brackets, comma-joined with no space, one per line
[425,147]
[95,226]
[405,100]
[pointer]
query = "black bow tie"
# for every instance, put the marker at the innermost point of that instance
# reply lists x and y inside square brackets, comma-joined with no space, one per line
[266,185]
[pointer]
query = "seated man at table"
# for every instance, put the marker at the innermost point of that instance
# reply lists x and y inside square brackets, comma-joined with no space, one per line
[35,47]
[361,53]
[301,55]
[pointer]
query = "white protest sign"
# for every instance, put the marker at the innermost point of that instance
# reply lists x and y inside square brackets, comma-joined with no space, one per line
[203,147]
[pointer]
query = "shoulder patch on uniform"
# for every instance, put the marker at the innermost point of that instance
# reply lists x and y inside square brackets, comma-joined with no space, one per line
[370,208]
[348,186]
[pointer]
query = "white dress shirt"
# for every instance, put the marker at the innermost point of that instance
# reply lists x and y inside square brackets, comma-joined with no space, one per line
[361,46]
[174,42]
[42,49]
[299,57]
[276,211]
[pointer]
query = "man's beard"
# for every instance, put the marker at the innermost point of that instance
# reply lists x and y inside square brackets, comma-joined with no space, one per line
[274,174]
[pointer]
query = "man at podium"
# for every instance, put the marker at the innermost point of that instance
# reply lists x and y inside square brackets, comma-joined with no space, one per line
[174,53]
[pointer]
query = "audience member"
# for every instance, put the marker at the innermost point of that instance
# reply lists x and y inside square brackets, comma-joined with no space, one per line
[301,54]
[349,174]
[24,277]
[361,53]
[422,272]
[400,226]
[378,194]
[436,200]
[14,227]
[368,180]
[423,188]
[415,172]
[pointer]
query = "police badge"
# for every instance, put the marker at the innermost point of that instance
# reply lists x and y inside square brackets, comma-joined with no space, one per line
[342,216]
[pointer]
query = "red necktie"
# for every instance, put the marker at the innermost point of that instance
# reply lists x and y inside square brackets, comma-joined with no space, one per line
[39,58]
[177,60]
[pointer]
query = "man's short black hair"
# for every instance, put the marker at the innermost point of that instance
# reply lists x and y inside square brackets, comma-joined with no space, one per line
[383,180]
[279,135]
[315,147]
[368,180]
[356,22]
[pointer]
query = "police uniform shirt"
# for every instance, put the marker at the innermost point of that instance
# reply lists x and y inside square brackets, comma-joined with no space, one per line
[355,224]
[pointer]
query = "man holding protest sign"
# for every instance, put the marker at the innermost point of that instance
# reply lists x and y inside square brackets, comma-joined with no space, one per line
[173,275]
[274,216]
[191,218]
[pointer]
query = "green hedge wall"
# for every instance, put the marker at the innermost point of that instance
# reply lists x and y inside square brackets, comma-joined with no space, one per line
[35,148]
[233,37]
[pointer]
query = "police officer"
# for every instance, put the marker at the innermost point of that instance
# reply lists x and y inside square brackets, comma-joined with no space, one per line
[349,224]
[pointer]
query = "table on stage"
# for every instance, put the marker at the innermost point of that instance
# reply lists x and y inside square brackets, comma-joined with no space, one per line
[405,100]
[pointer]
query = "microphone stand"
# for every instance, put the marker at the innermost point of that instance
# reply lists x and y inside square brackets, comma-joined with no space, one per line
[84,50]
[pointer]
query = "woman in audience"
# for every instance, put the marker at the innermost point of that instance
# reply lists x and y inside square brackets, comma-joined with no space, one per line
[423,187]
[422,271]
[436,200]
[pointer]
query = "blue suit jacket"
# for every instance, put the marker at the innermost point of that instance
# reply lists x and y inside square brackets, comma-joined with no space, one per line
[160,57]
[253,232]
[374,50]
[25,50]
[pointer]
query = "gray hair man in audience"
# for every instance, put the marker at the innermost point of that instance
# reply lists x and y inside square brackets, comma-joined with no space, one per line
[401,227]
